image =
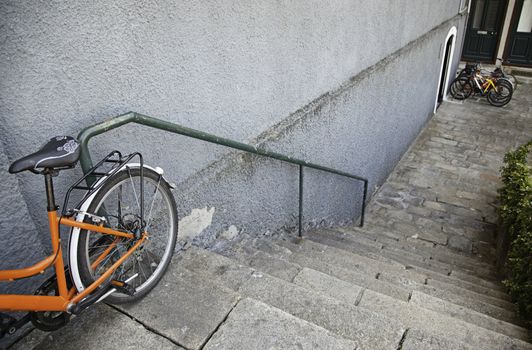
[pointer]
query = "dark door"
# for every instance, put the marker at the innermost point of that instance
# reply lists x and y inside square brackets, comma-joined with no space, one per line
[483,30]
[519,49]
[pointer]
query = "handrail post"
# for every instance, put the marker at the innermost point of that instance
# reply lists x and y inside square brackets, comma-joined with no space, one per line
[300,200]
[363,210]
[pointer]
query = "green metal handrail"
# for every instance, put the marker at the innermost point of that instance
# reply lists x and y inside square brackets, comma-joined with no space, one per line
[132,117]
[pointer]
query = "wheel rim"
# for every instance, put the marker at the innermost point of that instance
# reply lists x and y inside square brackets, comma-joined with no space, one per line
[461,89]
[121,207]
[501,94]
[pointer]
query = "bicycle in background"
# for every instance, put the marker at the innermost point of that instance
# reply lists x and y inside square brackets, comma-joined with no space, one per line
[472,80]
[499,72]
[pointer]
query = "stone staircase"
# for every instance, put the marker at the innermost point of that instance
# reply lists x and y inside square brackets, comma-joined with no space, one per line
[420,275]
[335,289]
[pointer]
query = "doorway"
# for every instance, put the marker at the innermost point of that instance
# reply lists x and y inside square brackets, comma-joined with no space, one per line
[446,65]
[519,49]
[445,68]
[484,30]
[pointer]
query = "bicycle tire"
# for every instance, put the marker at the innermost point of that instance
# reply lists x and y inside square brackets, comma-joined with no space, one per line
[511,78]
[501,94]
[460,88]
[148,264]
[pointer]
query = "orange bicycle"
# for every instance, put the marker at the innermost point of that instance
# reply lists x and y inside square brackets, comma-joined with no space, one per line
[123,233]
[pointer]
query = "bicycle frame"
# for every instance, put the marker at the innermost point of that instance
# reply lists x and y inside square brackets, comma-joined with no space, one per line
[67,297]
[487,83]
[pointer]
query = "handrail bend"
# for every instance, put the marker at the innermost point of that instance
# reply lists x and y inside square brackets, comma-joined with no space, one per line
[132,117]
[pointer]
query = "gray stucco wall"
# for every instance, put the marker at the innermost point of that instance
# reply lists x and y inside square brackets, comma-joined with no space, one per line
[20,238]
[306,78]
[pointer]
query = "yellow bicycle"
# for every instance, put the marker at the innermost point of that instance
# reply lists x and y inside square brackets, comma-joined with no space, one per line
[498,90]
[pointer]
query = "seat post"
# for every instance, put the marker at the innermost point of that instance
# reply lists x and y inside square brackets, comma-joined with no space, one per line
[50,190]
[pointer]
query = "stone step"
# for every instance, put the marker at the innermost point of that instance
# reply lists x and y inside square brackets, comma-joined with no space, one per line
[504,303]
[479,303]
[328,285]
[475,305]
[477,280]
[457,261]
[345,320]
[459,236]
[339,239]
[467,206]
[335,239]
[255,325]
[247,255]
[384,227]
[448,272]
[184,307]
[466,314]
[416,339]
[459,191]
[389,284]
[355,274]
[343,291]
[346,259]
[484,304]
[99,327]
[427,267]
[457,198]
[436,253]
[363,326]
[350,293]
[422,319]
[392,272]
[483,251]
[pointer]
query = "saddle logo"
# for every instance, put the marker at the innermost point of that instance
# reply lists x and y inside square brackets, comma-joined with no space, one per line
[69,146]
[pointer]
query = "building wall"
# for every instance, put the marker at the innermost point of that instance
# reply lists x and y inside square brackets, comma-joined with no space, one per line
[347,84]
[21,245]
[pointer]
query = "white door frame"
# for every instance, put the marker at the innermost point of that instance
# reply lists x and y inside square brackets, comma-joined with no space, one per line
[452,33]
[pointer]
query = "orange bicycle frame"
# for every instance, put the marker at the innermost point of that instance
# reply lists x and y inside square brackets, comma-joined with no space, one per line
[66,297]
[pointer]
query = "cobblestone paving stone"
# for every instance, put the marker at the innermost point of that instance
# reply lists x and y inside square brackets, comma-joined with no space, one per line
[444,189]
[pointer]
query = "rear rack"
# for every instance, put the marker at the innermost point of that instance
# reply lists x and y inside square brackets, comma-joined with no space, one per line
[97,172]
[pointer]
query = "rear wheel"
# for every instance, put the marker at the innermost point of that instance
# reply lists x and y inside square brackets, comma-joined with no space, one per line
[460,88]
[118,201]
[501,94]
[511,78]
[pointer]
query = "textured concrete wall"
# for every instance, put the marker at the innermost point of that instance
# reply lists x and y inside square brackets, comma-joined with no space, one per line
[241,70]
[363,127]
[19,236]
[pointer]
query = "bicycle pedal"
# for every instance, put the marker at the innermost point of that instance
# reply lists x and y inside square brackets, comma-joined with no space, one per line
[123,287]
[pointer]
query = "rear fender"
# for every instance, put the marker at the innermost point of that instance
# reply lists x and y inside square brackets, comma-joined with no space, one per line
[75,231]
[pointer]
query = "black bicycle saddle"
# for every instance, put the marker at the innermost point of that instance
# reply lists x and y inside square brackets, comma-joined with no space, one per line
[59,152]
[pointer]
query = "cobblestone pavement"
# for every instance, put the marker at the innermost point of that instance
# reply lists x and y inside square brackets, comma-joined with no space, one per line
[444,189]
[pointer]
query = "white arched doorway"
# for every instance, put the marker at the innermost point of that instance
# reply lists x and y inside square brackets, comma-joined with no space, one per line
[445,67]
